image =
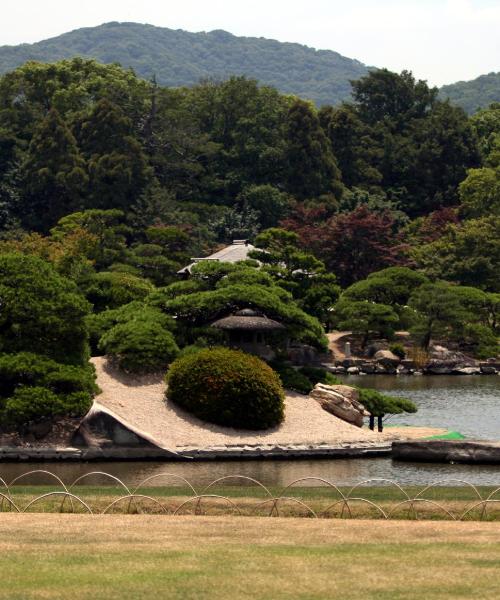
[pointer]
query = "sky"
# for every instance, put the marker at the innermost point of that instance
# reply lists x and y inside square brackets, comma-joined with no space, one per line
[442,41]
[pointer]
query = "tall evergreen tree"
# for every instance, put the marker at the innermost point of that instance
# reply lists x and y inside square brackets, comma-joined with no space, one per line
[354,146]
[118,169]
[53,174]
[312,168]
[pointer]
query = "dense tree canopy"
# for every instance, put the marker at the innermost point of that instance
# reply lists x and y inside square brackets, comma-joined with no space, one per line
[377,215]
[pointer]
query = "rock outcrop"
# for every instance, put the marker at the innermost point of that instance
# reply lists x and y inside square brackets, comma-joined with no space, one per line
[387,359]
[446,362]
[341,401]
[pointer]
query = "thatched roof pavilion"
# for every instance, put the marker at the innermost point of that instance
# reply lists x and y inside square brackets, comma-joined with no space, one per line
[248,320]
[248,330]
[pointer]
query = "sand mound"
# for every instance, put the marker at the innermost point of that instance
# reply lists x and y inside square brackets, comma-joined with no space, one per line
[140,401]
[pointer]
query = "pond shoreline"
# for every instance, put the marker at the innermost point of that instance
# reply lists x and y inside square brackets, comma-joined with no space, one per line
[440,451]
[278,452]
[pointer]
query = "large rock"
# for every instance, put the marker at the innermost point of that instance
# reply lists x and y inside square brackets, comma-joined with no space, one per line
[445,362]
[453,366]
[387,359]
[467,371]
[440,352]
[341,401]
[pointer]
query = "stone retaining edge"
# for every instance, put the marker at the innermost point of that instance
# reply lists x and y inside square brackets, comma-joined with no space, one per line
[197,454]
[448,451]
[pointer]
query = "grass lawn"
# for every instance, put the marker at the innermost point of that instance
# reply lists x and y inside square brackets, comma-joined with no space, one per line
[141,556]
[254,501]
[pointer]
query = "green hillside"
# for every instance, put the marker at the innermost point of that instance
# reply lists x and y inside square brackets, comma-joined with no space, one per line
[475,94]
[179,57]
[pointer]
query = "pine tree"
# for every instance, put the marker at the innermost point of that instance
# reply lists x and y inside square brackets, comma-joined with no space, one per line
[54,178]
[312,168]
[118,169]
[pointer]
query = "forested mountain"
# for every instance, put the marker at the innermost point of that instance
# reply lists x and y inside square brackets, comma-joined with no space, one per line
[179,58]
[475,94]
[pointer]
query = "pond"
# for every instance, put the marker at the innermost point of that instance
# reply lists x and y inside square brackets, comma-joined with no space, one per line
[470,405]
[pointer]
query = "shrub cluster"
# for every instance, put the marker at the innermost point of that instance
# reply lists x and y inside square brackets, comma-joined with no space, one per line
[140,346]
[137,336]
[33,388]
[304,379]
[227,387]
[398,350]
[382,404]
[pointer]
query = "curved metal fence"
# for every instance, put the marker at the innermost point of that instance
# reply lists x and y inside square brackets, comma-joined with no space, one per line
[312,497]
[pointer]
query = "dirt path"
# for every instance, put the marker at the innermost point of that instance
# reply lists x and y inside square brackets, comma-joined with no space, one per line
[335,343]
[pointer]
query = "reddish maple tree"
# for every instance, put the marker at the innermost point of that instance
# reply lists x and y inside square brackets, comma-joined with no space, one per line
[352,244]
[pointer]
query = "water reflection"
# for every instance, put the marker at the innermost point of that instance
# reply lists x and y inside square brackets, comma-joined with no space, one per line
[344,472]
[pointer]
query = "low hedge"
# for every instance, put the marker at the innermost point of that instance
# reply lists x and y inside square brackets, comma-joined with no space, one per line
[227,387]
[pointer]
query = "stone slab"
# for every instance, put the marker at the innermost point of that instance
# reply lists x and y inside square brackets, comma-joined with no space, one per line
[448,451]
[290,451]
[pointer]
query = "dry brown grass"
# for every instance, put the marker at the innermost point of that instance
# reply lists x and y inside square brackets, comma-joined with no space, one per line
[110,557]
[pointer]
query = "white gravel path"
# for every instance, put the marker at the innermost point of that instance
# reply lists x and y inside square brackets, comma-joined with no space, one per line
[141,402]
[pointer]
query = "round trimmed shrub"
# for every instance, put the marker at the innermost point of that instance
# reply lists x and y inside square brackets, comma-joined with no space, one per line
[227,387]
[140,346]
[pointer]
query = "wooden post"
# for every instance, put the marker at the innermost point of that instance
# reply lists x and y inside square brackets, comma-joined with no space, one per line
[372,422]
[380,424]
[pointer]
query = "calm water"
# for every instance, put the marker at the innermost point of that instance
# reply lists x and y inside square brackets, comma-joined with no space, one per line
[470,405]
[269,472]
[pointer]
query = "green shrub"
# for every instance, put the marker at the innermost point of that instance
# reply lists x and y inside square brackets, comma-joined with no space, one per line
[37,403]
[100,323]
[304,379]
[76,404]
[381,404]
[140,346]
[192,349]
[318,375]
[398,350]
[110,289]
[294,380]
[68,380]
[23,368]
[34,387]
[31,404]
[227,387]
[483,341]
[27,369]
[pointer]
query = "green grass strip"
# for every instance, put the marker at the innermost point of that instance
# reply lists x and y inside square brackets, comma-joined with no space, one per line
[450,435]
